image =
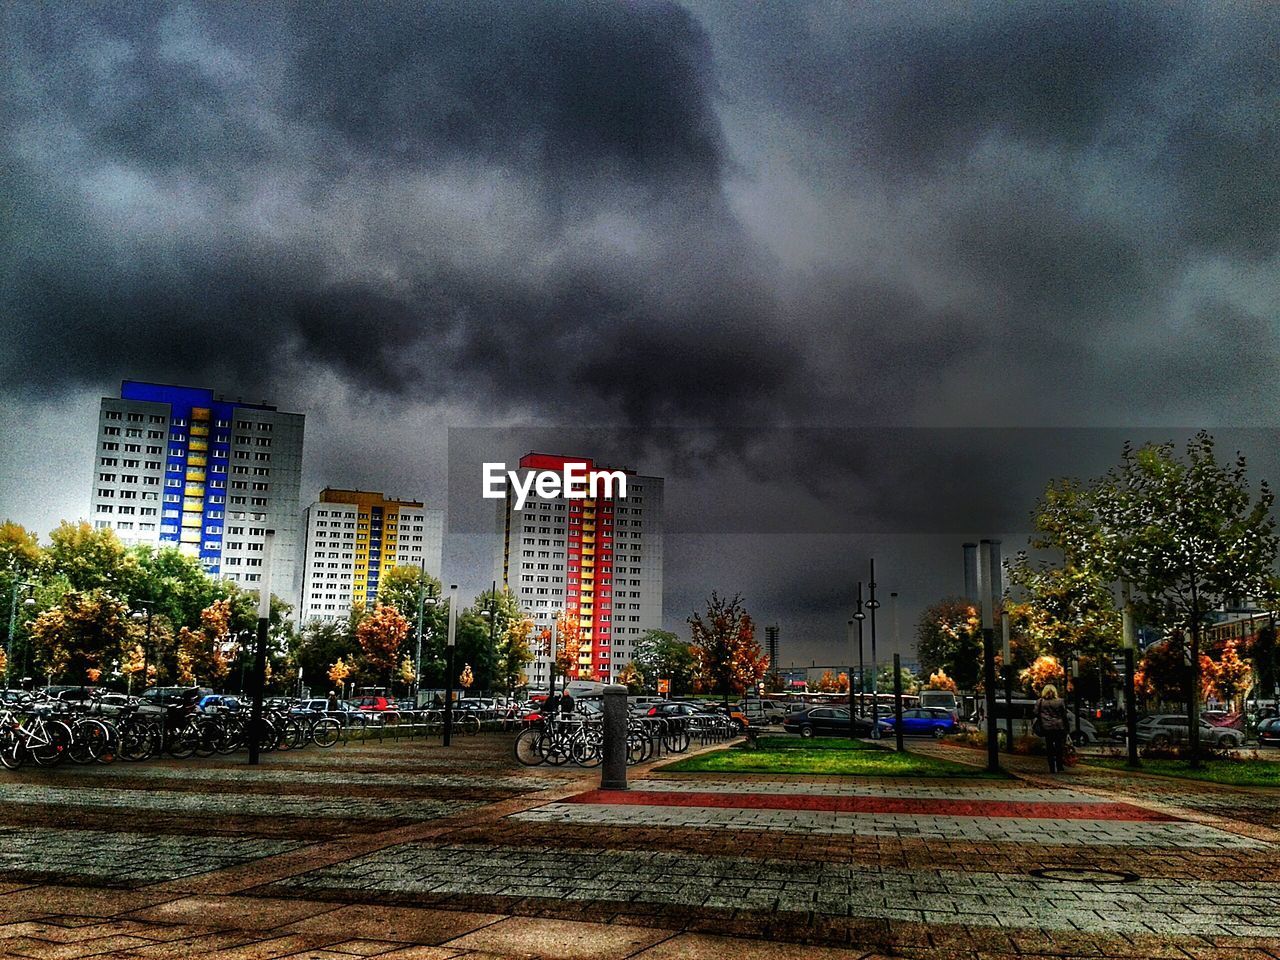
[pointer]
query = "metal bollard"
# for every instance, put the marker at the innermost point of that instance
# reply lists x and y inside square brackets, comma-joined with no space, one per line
[613,771]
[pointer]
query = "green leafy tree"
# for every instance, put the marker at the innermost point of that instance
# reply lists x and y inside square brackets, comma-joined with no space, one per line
[949,638]
[1069,605]
[1188,534]
[90,559]
[884,680]
[660,654]
[321,644]
[514,653]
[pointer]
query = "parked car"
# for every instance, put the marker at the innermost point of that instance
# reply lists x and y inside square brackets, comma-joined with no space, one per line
[764,711]
[1023,711]
[927,722]
[1269,730]
[218,701]
[182,699]
[112,704]
[1165,729]
[374,704]
[826,722]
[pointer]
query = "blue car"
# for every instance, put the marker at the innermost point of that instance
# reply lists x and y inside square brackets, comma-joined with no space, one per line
[923,722]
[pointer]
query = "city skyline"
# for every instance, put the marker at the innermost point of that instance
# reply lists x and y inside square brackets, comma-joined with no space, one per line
[753,245]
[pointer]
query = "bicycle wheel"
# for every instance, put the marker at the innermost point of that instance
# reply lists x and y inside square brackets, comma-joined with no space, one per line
[183,741]
[325,733]
[56,739]
[470,725]
[528,747]
[90,739]
[207,732]
[12,752]
[138,741]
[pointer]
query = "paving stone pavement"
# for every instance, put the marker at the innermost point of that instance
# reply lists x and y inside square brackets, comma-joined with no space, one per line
[124,858]
[233,804]
[534,863]
[1142,906]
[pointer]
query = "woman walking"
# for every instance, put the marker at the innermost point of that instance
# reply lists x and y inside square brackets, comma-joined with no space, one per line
[1051,718]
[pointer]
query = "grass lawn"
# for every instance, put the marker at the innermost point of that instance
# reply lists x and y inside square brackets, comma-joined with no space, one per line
[1236,773]
[825,757]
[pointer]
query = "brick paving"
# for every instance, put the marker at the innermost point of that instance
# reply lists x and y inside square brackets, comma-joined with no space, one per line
[404,850]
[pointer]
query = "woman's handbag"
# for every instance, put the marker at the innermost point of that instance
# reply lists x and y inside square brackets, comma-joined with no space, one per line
[1037,727]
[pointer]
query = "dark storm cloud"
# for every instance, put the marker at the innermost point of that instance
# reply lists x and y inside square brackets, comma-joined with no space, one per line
[577,89]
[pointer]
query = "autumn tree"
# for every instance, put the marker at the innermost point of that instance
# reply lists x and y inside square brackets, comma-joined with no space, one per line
[1045,669]
[827,682]
[203,653]
[1162,673]
[84,632]
[380,635]
[630,677]
[938,680]
[568,636]
[338,673]
[466,678]
[724,645]
[1231,673]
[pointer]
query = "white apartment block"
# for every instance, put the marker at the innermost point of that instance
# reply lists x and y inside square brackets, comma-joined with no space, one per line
[353,538]
[599,560]
[184,467]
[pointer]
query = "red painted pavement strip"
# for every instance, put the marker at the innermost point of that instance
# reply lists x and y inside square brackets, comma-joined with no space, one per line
[921,806]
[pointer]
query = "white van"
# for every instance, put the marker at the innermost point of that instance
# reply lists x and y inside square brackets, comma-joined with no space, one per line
[585,688]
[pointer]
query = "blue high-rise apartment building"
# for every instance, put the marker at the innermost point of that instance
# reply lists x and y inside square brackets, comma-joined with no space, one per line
[207,474]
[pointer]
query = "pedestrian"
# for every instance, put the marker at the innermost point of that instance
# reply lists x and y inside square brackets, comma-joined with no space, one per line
[332,705]
[1051,723]
[566,704]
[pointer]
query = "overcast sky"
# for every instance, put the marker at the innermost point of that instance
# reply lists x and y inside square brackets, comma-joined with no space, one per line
[745,238]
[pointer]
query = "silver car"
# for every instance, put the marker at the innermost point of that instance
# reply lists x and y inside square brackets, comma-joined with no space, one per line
[1165,729]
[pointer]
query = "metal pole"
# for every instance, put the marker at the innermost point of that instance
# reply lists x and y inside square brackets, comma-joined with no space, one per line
[1075,676]
[493,615]
[1131,708]
[453,636]
[260,651]
[988,657]
[859,616]
[417,663]
[989,682]
[613,770]
[897,699]
[1007,649]
[551,667]
[873,605]
[13,625]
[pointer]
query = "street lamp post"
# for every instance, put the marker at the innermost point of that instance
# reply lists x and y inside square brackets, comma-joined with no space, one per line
[449,651]
[1130,691]
[873,605]
[423,602]
[13,624]
[1075,678]
[146,643]
[858,617]
[260,651]
[491,611]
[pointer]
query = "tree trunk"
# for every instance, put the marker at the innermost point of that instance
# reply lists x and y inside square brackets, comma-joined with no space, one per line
[1193,698]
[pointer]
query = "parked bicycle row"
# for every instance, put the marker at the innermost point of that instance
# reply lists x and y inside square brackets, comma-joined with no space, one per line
[578,738]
